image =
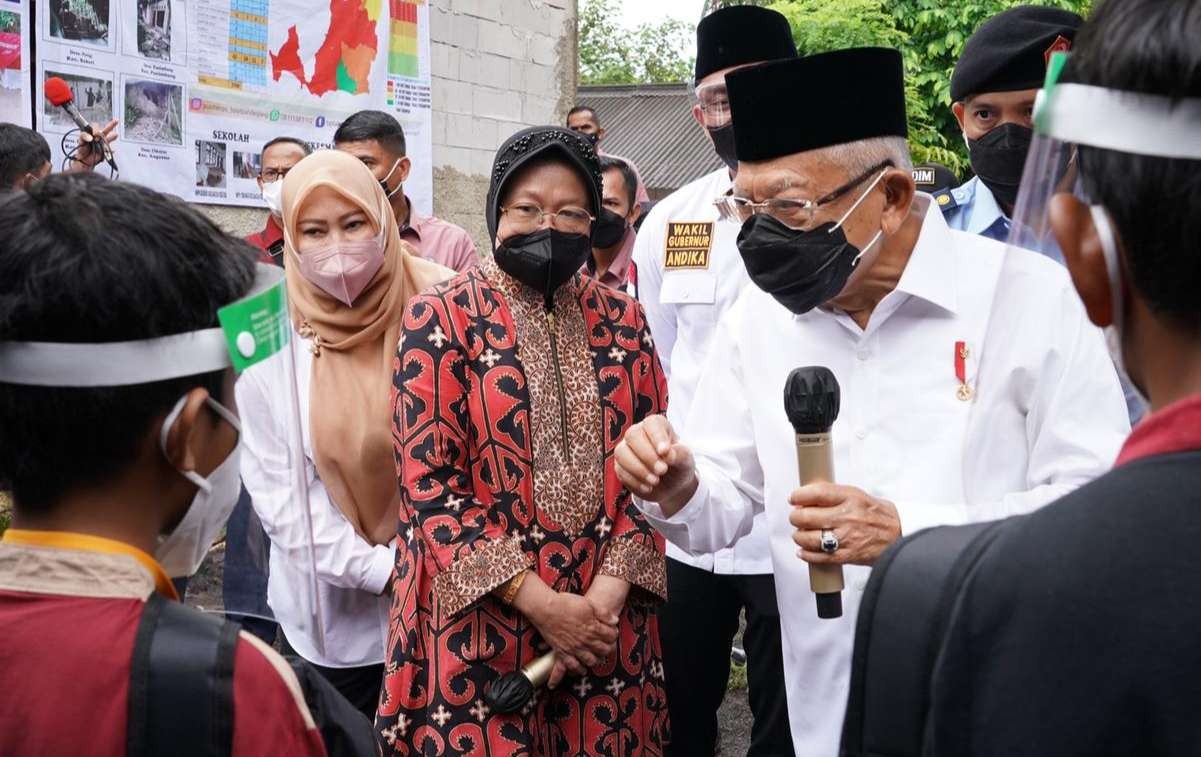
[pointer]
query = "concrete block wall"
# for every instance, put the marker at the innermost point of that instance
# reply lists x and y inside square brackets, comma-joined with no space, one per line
[498,66]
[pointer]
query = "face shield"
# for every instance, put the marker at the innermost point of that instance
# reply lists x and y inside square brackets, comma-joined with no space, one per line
[1069,120]
[254,339]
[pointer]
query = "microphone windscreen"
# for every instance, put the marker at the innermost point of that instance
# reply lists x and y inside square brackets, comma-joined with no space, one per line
[57,91]
[509,693]
[811,397]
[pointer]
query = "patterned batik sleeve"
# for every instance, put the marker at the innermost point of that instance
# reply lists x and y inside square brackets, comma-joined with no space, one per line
[636,549]
[431,435]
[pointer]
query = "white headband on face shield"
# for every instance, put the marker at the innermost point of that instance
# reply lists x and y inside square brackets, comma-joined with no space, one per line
[1112,119]
[143,361]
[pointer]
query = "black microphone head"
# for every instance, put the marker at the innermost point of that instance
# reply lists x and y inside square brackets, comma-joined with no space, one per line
[509,693]
[811,397]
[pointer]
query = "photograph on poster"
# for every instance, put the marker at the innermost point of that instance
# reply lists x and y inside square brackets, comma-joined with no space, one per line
[154,29]
[210,164]
[153,112]
[93,97]
[10,62]
[247,165]
[79,20]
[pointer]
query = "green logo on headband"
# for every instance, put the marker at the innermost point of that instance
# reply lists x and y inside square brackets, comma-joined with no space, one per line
[1054,70]
[257,327]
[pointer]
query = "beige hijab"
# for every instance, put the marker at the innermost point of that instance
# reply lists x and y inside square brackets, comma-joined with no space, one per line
[349,399]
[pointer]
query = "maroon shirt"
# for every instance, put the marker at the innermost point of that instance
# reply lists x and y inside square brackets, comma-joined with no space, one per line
[1176,428]
[272,236]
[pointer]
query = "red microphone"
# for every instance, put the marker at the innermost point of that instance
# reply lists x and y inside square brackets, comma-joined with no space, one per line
[58,92]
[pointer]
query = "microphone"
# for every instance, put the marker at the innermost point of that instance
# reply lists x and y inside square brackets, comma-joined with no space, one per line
[59,93]
[512,691]
[811,396]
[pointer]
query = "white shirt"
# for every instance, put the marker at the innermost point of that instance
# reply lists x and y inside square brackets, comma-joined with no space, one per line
[1047,416]
[683,307]
[351,572]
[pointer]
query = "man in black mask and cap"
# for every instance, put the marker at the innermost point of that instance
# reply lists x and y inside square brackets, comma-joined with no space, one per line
[689,275]
[945,417]
[992,92]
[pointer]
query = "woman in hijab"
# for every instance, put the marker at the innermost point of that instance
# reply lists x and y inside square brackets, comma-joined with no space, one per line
[348,279]
[516,382]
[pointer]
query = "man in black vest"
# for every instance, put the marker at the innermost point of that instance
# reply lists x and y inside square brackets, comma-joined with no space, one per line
[1076,633]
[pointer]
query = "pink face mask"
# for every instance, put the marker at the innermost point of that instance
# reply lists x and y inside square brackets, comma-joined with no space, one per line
[344,270]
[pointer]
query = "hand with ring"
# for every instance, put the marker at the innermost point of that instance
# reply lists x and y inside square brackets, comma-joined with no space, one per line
[841,524]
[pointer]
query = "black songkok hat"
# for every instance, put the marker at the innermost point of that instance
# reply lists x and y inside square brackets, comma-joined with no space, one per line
[741,34]
[575,151]
[792,106]
[1010,51]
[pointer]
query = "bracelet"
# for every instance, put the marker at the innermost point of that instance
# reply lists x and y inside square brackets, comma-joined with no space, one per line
[513,587]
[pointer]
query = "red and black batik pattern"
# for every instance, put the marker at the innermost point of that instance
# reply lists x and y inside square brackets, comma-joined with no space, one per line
[505,422]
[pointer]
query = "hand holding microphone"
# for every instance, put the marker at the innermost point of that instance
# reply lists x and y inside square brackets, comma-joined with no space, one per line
[835,524]
[94,140]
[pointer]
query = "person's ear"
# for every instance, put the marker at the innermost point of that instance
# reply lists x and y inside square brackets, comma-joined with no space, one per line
[24,182]
[259,179]
[403,168]
[635,212]
[898,189]
[959,110]
[698,115]
[600,134]
[187,434]
[1081,246]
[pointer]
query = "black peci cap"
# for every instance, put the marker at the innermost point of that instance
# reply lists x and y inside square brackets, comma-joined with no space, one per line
[1010,50]
[741,34]
[792,106]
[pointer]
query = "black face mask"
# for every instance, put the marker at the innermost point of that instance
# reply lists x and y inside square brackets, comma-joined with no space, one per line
[801,269]
[998,158]
[607,229]
[592,138]
[723,145]
[543,260]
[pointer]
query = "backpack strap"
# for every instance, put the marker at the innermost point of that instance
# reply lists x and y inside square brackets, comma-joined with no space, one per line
[181,683]
[903,618]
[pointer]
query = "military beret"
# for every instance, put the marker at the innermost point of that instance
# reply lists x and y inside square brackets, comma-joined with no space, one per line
[791,106]
[1010,50]
[741,34]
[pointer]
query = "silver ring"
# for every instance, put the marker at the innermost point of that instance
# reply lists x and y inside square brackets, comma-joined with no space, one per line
[829,541]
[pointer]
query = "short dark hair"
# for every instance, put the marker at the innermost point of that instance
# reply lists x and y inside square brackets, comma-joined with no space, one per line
[1151,47]
[92,260]
[21,151]
[584,109]
[610,163]
[288,141]
[373,124]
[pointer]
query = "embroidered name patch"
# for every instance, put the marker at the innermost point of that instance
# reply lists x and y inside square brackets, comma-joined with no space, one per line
[688,244]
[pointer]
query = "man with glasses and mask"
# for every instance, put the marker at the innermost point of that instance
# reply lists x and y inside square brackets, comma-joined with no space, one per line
[378,140]
[277,158]
[992,93]
[689,275]
[943,419]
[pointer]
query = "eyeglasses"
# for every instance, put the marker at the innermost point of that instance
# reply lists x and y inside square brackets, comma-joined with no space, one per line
[274,174]
[526,218]
[796,214]
[714,104]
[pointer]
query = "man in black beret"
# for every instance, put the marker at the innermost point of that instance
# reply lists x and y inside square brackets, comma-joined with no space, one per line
[689,274]
[943,419]
[992,91]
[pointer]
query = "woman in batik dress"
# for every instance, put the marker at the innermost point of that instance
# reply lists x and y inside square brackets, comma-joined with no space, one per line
[513,385]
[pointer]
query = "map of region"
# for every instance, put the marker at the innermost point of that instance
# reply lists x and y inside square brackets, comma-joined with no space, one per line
[343,62]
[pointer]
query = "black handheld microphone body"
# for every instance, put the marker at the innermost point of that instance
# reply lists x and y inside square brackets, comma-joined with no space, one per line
[811,400]
[58,92]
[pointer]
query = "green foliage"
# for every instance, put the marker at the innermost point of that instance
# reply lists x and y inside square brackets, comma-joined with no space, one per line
[653,52]
[929,33]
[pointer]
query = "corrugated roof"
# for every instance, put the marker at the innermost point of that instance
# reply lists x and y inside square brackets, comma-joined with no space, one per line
[652,125]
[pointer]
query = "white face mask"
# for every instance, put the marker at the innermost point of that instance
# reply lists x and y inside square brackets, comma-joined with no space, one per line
[181,551]
[273,195]
[1113,266]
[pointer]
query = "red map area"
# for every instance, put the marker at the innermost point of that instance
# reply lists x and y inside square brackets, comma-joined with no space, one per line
[344,59]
